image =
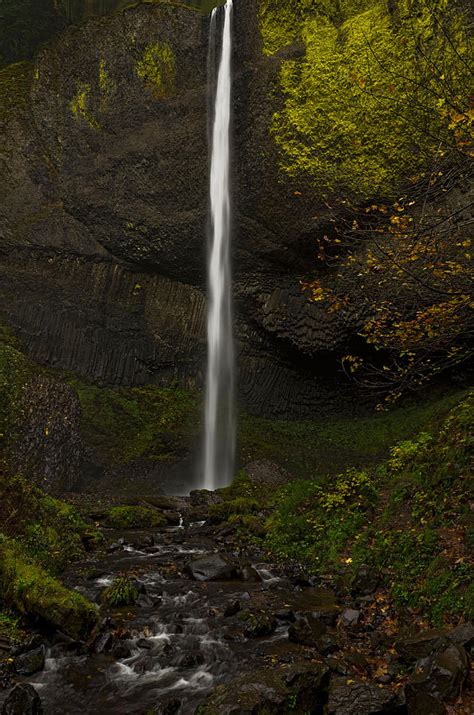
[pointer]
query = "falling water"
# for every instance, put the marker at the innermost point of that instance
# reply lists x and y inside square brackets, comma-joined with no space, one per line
[219,444]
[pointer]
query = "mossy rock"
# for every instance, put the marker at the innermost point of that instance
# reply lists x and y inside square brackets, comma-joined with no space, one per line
[135,517]
[31,591]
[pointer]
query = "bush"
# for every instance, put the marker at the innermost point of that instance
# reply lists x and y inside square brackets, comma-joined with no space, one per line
[122,592]
[134,517]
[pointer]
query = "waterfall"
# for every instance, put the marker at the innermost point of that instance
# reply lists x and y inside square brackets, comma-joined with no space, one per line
[219,443]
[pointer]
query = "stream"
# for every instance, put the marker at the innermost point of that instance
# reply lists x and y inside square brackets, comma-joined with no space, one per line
[182,638]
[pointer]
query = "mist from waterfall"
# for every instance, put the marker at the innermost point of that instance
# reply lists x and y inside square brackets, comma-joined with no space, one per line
[219,442]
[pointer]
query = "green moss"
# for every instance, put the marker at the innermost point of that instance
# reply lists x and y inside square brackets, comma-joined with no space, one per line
[31,591]
[127,423]
[363,110]
[134,517]
[80,105]
[121,592]
[328,446]
[10,625]
[157,68]
[47,530]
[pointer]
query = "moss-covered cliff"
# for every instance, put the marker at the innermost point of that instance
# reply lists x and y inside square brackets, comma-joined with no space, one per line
[364,106]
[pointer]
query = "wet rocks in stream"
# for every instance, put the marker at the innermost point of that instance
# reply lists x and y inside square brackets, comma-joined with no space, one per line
[30,662]
[22,700]
[193,641]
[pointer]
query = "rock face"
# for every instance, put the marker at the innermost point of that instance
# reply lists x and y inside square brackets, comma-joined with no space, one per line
[104,219]
[49,449]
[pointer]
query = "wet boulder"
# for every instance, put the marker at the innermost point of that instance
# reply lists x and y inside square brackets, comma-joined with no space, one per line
[306,630]
[215,567]
[22,700]
[200,498]
[257,623]
[30,662]
[347,697]
[437,679]
[232,609]
[300,687]
[168,707]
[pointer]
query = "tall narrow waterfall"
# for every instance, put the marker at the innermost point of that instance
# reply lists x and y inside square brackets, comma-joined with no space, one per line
[219,444]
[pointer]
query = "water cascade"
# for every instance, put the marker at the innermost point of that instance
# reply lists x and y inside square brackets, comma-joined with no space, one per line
[219,446]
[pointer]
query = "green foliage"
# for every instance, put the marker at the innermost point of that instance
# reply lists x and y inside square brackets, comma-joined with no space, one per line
[47,530]
[134,517]
[234,507]
[9,625]
[313,522]
[157,68]
[124,424]
[122,592]
[409,519]
[328,446]
[31,591]
[364,109]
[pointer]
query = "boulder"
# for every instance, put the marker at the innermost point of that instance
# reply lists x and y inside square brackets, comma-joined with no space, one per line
[215,567]
[463,635]
[204,498]
[22,700]
[359,698]
[300,687]
[421,645]
[437,679]
[306,631]
[365,581]
[30,662]
[350,617]
[257,623]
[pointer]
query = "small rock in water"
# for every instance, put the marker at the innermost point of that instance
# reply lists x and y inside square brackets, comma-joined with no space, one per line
[285,614]
[257,623]
[214,567]
[22,700]
[232,609]
[30,662]
[143,643]
[169,707]
[248,573]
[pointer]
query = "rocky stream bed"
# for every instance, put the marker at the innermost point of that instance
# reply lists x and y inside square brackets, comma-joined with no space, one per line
[217,631]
